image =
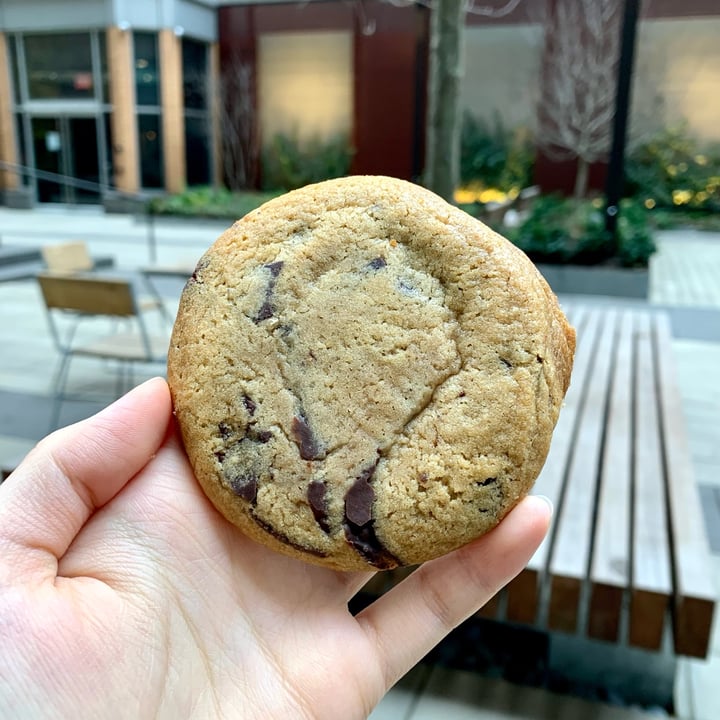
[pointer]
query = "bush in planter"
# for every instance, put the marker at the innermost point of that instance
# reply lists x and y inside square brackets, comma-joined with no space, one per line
[493,156]
[673,169]
[562,231]
[289,163]
[635,240]
[208,202]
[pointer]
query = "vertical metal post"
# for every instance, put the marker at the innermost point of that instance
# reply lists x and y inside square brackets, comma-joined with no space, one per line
[152,240]
[616,168]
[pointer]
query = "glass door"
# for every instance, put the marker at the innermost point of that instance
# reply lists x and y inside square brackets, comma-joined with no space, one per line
[47,145]
[66,146]
[83,162]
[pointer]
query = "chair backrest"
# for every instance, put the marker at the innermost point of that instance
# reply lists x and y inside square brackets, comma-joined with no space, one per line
[92,295]
[67,257]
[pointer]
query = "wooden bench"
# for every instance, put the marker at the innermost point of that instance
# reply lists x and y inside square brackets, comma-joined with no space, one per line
[627,560]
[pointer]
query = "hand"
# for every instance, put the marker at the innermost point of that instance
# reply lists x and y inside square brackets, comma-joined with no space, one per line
[125,594]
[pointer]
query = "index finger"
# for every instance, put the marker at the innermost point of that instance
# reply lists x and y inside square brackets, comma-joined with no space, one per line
[413,617]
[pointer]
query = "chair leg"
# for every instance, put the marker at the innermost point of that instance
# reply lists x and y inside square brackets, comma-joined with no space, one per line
[120,379]
[59,383]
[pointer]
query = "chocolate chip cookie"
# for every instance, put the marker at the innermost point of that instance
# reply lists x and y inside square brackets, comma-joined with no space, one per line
[365,376]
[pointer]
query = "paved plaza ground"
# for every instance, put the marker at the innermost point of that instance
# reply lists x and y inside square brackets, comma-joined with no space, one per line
[684,278]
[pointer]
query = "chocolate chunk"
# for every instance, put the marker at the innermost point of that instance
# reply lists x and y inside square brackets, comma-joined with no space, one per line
[359,500]
[262,436]
[267,310]
[366,542]
[359,524]
[487,481]
[246,463]
[275,267]
[244,486]
[377,263]
[249,404]
[316,495]
[307,443]
[225,430]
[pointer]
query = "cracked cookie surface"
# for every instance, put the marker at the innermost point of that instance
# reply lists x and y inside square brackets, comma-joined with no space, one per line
[364,376]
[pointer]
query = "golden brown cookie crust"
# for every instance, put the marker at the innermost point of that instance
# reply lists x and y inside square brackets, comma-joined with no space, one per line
[365,376]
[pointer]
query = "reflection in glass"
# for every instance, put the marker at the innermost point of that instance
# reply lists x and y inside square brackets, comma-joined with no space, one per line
[197,151]
[104,71]
[195,73]
[12,54]
[47,145]
[147,80]
[83,157]
[59,66]
[21,157]
[151,167]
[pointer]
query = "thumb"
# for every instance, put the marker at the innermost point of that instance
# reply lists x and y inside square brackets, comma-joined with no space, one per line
[50,496]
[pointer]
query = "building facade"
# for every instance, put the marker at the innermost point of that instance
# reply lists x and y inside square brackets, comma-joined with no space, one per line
[112,93]
[158,95]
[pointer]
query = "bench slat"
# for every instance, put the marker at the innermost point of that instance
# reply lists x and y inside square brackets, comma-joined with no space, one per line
[651,576]
[523,591]
[552,476]
[572,545]
[610,570]
[695,595]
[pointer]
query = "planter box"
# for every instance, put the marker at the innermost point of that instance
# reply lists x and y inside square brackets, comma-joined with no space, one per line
[597,280]
[117,203]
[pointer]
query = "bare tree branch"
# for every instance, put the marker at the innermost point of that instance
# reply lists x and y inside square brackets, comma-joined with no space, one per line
[238,124]
[579,84]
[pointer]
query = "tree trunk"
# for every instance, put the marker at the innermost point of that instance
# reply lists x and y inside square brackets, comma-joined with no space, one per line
[442,152]
[581,179]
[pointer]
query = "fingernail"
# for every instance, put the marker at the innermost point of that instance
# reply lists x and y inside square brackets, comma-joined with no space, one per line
[547,501]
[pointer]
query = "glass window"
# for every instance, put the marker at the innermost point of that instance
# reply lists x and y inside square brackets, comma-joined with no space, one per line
[147,75]
[108,151]
[104,71]
[195,73]
[12,54]
[197,151]
[20,138]
[151,157]
[59,66]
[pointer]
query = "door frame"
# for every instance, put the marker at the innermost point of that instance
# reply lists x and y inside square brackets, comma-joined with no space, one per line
[63,114]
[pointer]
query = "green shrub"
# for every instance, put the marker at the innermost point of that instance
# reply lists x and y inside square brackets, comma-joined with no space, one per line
[674,170]
[634,235]
[542,235]
[561,231]
[208,202]
[288,163]
[494,156]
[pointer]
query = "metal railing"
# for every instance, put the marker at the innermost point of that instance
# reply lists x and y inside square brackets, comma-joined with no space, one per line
[101,189]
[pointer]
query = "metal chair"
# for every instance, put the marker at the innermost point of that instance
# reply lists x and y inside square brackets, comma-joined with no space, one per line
[74,258]
[91,301]
[69,257]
